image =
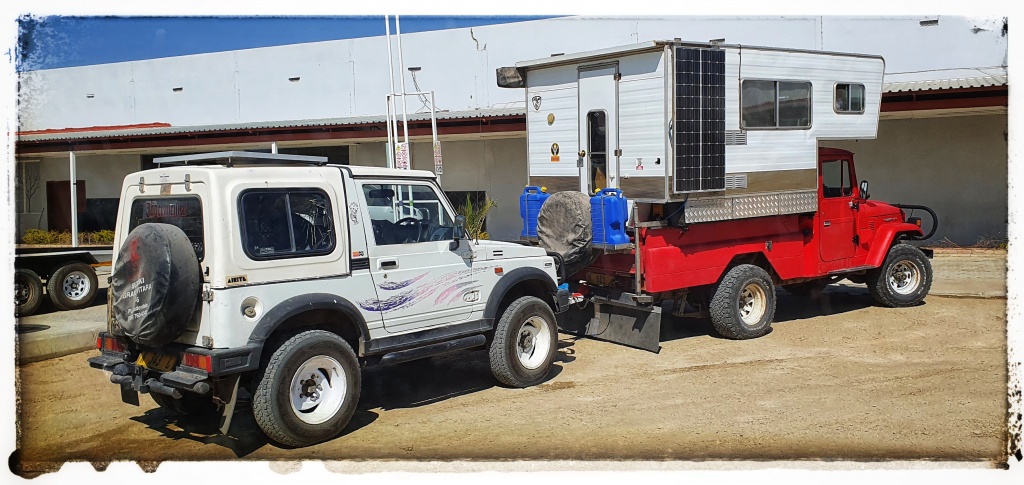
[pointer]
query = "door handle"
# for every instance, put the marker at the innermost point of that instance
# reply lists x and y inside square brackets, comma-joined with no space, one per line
[388,264]
[828,224]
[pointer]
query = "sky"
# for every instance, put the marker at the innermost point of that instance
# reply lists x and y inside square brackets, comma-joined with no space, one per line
[65,41]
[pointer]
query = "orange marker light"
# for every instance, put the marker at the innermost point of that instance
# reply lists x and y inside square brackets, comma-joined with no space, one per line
[498,270]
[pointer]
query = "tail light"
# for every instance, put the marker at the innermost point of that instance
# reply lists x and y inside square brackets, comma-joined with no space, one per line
[198,361]
[110,344]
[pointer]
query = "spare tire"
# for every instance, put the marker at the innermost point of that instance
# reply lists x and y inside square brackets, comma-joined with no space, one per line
[564,227]
[155,284]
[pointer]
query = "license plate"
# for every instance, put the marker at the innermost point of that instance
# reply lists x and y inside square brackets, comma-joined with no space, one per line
[155,361]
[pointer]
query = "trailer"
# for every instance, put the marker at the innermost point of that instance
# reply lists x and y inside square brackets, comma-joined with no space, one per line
[721,152]
[64,274]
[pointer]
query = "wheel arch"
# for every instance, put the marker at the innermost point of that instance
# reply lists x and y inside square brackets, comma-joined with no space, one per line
[887,237]
[312,311]
[758,259]
[526,281]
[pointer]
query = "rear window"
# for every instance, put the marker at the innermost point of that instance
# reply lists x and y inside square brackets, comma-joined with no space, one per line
[286,223]
[184,212]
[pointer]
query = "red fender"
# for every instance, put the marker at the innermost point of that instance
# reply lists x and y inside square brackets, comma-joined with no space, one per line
[883,240]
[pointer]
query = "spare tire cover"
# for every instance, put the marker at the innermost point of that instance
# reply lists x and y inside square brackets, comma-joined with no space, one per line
[155,284]
[564,227]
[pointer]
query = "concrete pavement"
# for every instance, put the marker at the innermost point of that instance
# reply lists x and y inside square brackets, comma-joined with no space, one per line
[959,273]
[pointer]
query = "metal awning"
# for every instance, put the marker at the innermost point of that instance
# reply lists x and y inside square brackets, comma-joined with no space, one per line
[258,125]
[942,84]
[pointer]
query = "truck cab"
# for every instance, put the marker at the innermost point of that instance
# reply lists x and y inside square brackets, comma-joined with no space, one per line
[272,279]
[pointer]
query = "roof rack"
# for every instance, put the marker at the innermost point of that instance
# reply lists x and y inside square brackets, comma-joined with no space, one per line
[231,158]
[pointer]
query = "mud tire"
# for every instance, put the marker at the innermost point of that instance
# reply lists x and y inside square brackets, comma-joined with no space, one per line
[272,403]
[903,279]
[526,327]
[743,304]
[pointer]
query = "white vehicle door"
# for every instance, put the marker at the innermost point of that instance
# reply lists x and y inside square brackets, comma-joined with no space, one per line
[420,281]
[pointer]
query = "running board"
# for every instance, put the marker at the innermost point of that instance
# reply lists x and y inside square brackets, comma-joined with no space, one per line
[615,320]
[433,349]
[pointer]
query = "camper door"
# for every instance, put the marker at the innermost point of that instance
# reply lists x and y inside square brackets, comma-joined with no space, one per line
[598,125]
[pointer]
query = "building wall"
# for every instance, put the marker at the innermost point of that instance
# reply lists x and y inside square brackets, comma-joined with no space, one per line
[497,166]
[955,165]
[102,174]
[350,77]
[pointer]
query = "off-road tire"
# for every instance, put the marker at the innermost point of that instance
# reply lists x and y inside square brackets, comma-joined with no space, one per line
[27,282]
[272,405]
[527,326]
[76,274]
[749,283]
[189,405]
[903,279]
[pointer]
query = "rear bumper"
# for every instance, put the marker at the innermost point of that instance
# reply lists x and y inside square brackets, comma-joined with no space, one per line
[125,371]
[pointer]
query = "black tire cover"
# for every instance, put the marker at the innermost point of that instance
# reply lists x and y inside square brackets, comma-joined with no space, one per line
[155,284]
[564,227]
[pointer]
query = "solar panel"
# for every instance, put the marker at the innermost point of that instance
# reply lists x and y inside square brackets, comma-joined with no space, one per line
[700,119]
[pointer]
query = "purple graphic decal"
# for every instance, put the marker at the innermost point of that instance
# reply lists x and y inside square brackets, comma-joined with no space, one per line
[451,289]
[398,285]
[415,295]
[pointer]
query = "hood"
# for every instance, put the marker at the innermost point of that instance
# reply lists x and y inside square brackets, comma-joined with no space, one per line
[489,250]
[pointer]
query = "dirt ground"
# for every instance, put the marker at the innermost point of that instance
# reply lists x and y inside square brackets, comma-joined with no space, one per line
[837,378]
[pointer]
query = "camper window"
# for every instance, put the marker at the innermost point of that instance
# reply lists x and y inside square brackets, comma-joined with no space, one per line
[776,104]
[849,98]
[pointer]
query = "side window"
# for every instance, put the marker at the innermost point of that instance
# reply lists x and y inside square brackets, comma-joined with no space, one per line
[286,223]
[776,104]
[406,213]
[835,179]
[849,98]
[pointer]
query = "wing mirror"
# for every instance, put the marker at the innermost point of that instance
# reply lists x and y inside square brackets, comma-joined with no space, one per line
[458,232]
[864,190]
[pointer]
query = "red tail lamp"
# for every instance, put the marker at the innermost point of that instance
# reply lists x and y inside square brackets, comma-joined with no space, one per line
[109,345]
[198,361]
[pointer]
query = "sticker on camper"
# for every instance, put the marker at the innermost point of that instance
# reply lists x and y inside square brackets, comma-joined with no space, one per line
[639,163]
[554,152]
[536,102]
[551,119]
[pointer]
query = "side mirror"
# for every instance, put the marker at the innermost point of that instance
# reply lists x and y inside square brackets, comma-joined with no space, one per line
[864,190]
[458,232]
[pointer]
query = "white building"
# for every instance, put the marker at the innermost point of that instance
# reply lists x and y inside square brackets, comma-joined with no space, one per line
[943,128]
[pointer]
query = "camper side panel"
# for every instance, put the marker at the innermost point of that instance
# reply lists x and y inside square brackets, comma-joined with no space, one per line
[643,125]
[551,95]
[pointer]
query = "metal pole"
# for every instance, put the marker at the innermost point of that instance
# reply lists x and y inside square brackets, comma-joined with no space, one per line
[273,147]
[433,131]
[74,199]
[401,67]
[391,101]
[388,148]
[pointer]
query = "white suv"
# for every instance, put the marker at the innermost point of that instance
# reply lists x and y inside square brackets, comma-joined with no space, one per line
[273,278]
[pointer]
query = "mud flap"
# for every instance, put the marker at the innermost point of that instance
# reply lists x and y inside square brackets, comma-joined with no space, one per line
[129,395]
[617,322]
[229,405]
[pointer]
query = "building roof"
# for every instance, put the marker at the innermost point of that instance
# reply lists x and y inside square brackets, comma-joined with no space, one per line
[107,132]
[983,81]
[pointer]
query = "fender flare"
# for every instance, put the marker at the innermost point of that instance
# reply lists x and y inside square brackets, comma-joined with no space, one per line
[511,279]
[303,303]
[888,234]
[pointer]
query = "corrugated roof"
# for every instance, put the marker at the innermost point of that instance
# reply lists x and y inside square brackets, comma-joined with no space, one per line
[355,120]
[952,83]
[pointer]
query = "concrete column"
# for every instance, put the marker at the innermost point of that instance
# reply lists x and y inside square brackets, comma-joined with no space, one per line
[74,199]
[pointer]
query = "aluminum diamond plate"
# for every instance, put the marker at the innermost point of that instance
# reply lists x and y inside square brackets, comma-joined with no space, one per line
[797,202]
[707,210]
[756,206]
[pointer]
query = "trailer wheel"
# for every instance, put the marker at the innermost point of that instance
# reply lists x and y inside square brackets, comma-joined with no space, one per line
[524,343]
[189,405]
[28,292]
[309,389]
[743,304]
[73,286]
[903,279]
